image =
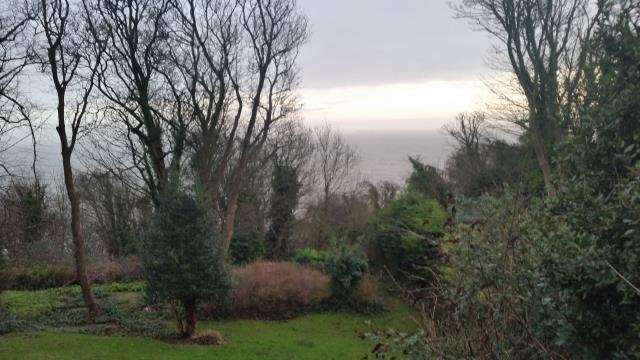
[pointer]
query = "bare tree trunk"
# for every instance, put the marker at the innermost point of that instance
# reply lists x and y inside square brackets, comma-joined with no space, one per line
[78,242]
[230,219]
[66,64]
[232,202]
[178,320]
[543,158]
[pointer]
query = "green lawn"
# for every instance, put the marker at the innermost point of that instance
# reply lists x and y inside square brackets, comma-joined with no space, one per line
[324,336]
[315,336]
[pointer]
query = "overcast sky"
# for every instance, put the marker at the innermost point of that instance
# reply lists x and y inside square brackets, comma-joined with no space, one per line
[373,65]
[389,64]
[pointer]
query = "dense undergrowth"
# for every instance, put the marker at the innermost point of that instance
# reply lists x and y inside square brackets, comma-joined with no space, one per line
[44,276]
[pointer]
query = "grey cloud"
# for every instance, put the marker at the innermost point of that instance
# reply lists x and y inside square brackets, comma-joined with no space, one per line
[367,42]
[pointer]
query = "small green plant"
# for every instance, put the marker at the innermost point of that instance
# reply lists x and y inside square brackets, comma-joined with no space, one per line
[394,344]
[310,257]
[137,286]
[28,305]
[11,324]
[346,266]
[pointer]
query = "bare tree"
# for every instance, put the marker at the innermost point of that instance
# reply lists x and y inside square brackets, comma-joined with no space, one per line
[382,194]
[237,64]
[205,79]
[15,56]
[545,43]
[67,61]
[113,214]
[134,78]
[469,131]
[335,160]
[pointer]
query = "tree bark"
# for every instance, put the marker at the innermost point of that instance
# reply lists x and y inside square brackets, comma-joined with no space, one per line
[230,220]
[78,242]
[63,65]
[190,317]
[178,320]
[542,157]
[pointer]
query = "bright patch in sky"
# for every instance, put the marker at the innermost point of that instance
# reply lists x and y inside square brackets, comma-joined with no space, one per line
[423,105]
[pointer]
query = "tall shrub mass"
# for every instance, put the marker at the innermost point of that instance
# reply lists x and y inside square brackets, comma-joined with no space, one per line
[182,259]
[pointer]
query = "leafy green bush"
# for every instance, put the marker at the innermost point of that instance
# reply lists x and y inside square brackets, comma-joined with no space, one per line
[246,246]
[428,181]
[589,269]
[310,257]
[528,279]
[590,264]
[486,300]
[182,258]
[481,301]
[346,266]
[409,233]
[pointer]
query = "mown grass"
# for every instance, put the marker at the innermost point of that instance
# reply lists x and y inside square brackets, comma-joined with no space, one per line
[313,336]
[322,336]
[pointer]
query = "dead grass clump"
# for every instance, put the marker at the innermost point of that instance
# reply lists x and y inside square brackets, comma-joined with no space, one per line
[367,290]
[209,337]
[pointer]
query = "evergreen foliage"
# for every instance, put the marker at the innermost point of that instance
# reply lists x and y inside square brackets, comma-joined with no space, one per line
[427,180]
[346,266]
[246,246]
[409,233]
[284,200]
[183,262]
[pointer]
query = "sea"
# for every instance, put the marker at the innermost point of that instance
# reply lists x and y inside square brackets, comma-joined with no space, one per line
[384,154]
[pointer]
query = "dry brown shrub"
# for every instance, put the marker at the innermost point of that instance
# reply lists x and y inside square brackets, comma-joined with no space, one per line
[277,288]
[44,276]
[209,337]
[123,269]
[367,290]
[35,277]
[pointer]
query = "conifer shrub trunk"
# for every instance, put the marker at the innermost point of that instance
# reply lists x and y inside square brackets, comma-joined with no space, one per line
[190,317]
